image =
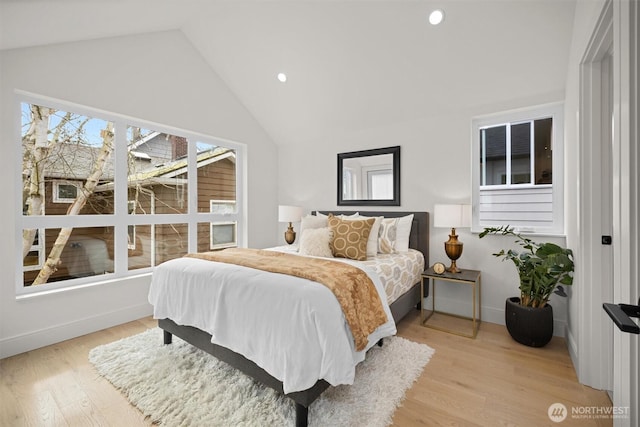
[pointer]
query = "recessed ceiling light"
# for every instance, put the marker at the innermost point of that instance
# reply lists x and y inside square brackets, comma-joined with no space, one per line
[436,17]
[282,77]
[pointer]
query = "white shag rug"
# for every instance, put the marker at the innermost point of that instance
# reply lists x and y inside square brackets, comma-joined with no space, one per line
[178,384]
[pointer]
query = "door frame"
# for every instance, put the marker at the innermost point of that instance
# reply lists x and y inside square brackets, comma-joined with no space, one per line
[620,21]
[594,358]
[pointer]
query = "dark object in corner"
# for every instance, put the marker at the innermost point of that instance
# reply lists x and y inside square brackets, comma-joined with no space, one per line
[527,325]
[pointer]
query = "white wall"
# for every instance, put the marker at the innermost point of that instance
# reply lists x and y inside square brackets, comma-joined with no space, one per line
[436,168]
[156,77]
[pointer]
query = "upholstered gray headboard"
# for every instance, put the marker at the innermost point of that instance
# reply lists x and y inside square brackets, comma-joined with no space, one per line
[419,237]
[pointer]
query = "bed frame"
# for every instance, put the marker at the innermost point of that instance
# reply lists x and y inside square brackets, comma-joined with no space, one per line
[419,239]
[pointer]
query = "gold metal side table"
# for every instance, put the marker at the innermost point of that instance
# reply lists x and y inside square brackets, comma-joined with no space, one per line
[467,277]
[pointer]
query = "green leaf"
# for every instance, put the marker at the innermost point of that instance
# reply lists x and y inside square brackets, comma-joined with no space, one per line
[541,268]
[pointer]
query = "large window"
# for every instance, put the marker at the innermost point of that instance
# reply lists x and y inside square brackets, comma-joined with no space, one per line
[517,170]
[105,196]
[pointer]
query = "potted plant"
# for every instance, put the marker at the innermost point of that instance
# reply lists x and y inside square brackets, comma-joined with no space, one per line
[543,268]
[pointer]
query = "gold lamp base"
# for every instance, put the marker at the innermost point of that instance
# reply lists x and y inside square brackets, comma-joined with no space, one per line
[453,249]
[290,235]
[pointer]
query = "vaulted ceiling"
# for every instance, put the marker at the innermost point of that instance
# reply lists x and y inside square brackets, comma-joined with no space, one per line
[351,64]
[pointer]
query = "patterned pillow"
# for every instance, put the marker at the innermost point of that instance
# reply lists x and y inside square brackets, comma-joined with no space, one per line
[387,236]
[372,244]
[350,237]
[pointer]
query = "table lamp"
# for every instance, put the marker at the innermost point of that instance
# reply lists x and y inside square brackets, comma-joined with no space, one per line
[452,216]
[289,214]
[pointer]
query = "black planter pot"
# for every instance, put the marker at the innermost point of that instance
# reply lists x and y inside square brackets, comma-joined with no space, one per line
[527,325]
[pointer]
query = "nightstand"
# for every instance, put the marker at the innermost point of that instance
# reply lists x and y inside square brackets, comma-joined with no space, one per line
[465,277]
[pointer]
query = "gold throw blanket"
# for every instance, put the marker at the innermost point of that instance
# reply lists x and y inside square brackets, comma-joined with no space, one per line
[353,289]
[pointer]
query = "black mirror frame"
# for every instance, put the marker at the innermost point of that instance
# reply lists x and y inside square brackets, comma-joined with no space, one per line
[395,151]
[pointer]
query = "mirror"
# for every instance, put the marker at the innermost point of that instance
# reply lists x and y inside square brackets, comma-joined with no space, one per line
[369,177]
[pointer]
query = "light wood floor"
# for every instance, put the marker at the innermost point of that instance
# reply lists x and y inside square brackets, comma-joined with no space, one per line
[489,381]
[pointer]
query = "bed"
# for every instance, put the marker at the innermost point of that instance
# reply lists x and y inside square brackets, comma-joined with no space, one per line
[397,309]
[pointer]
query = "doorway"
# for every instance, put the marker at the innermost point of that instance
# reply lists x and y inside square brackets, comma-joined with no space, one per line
[613,48]
[598,232]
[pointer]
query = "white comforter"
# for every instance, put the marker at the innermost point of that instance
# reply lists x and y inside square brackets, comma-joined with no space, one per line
[293,328]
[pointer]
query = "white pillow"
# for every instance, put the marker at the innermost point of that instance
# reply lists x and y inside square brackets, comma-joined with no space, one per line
[312,221]
[315,242]
[403,229]
[372,243]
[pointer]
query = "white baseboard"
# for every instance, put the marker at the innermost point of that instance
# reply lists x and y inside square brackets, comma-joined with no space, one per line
[559,328]
[572,346]
[488,314]
[36,339]
[493,315]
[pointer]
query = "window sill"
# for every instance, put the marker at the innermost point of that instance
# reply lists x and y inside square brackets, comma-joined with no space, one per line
[45,292]
[513,187]
[526,231]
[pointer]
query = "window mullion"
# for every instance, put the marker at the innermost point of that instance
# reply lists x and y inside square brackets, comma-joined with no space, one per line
[508,155]
[483,159]
[192,194]
[532,153]
[240,197]
[121,171]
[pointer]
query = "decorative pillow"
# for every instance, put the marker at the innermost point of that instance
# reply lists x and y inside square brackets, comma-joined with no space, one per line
[403,229]
[387,235]
[350,237]
[317,221]
[372,243]
[315,242]
[311,222]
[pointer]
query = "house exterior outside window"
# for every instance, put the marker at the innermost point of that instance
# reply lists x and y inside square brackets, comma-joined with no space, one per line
[106,196]
[35,255]
[518,170]
[64,192]
[223,233]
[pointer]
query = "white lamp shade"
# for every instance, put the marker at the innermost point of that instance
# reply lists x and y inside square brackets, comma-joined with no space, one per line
[289,213]
[452,216]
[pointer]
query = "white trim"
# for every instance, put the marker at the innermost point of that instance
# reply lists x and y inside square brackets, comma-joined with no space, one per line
[594,328]
[230,244]
[572,345]
[144,140]
[626,42]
